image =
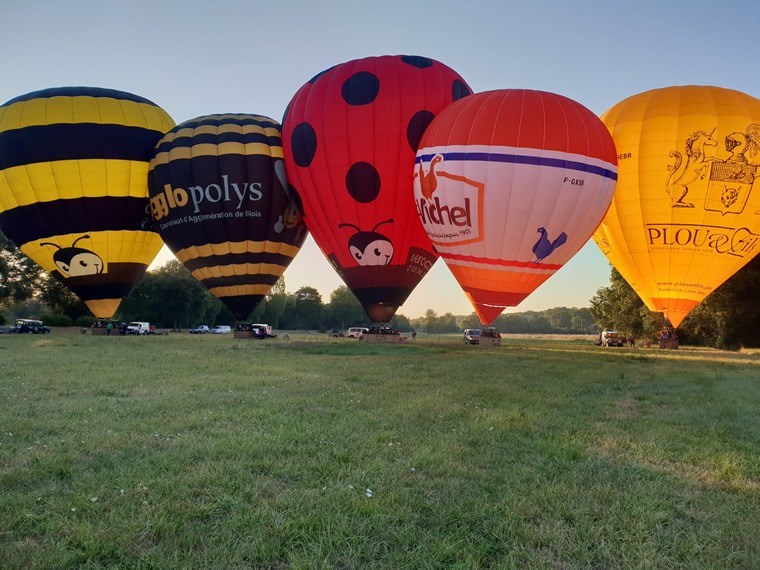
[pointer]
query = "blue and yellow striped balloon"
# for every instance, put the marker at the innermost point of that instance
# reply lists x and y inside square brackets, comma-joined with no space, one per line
[73,187]
[221,201]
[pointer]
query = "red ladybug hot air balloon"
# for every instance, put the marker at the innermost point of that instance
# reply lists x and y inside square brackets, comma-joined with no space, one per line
[350,136]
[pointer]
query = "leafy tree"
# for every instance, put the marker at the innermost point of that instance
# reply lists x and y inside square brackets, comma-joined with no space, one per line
[729,316]
[170,297]
[270,309]
[401,323]
[344,309]
[61,301]
[471,321]
[20,277]
[619,307]
[305,309]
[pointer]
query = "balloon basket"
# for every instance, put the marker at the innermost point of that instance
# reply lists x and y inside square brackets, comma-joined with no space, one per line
[488,342]
[384,338]
[243,334]
[668,343]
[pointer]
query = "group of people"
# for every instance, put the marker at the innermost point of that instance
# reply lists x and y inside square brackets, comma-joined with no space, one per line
[109,326]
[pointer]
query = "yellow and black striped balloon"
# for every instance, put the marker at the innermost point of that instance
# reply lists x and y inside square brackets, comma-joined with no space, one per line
[220,200]
[73,187]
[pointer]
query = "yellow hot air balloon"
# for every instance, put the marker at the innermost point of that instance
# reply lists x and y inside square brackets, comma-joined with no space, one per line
[686,213]
[74,187]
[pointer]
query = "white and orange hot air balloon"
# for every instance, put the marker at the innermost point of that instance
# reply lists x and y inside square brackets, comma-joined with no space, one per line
[509,185]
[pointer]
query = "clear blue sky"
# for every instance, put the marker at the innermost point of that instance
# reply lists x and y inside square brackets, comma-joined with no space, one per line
[197,58]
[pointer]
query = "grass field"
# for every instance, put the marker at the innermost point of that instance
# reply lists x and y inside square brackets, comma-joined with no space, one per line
[206,451]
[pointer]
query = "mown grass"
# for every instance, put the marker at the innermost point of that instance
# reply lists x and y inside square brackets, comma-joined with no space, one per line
[186,451]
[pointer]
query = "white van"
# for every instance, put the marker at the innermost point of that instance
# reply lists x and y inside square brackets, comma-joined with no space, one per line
[266,329]
[138,327]
[357,332]
[221,329]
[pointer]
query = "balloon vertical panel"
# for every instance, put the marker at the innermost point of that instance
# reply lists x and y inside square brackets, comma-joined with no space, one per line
[221,201]
[73,187]
[687,214]
[509,184]
[350,135]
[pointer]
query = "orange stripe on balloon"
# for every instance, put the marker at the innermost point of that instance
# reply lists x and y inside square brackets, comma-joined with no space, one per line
[497,280]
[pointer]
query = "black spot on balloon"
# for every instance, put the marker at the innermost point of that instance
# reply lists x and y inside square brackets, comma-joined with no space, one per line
[303,142]
[361,88]
[459,90]
[416,128]
[417,61]
[320,74]
[363,182]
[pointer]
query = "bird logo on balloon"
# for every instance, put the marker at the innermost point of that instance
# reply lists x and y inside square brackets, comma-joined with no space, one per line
[544,247]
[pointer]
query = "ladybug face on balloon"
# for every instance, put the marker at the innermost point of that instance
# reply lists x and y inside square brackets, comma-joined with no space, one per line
[370,248]
[76,261]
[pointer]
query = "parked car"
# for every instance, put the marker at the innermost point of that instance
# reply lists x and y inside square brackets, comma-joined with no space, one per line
[472,336]
[221,329]
[612,338]
[138,327]
[357,332]
[33,326]
[263,330]
[200,329]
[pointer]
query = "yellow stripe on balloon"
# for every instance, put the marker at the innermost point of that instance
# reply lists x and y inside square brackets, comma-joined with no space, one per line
[186,153]
[240,290]
[67,179]
[220,130]
[71,110]
[227,248]
[239,269]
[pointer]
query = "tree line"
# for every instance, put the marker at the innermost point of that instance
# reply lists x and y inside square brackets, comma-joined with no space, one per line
[728,318]
[170,297]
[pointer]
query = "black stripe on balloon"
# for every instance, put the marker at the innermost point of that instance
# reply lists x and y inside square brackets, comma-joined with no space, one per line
[75,216]
[80,92]
[48,143]
[233,280]
[116,283]
[210,138]
[237,259]
[386,295]
[241,305]
[242,120]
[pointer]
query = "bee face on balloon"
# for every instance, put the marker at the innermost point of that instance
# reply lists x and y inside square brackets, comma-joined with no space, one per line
[370,248]
[76,261]
[292,215]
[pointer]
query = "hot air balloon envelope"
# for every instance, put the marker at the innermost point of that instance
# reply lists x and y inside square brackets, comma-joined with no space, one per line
[73,187]
[686,215]
[351,134]
[509,185]
[220,199]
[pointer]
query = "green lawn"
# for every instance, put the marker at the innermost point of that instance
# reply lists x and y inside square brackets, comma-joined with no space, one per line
[206,451]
